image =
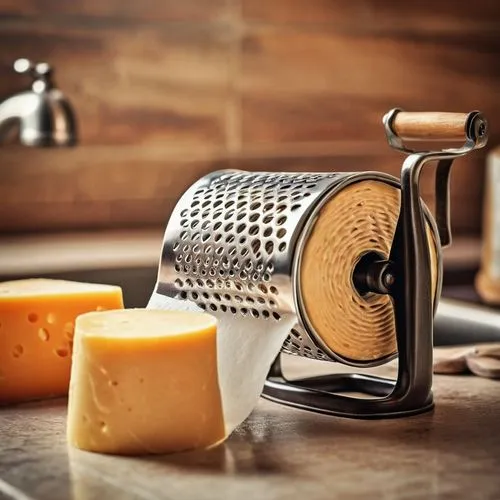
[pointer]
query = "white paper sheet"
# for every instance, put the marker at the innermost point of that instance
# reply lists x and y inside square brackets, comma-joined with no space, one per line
[246,348]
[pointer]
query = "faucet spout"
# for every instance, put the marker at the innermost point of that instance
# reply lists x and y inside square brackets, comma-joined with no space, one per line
[44,115]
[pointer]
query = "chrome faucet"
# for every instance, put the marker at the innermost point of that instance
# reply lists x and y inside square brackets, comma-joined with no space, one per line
[44,115]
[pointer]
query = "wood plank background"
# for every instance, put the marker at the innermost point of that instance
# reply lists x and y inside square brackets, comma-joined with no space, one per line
[166,91]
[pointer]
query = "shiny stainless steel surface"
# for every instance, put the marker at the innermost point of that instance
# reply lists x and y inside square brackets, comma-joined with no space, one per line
[44,114]
[460,322]
[278,453]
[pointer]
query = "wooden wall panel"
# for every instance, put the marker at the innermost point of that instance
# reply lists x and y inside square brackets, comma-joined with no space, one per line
[167,91]
[144,87]
[378,15]
[121,10]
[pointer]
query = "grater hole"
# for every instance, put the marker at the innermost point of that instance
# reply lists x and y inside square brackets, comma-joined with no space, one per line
[253,217]
[268,207]
[244,311]
[229,214]
[188,282]
[178,258]
[233,309]
[269,247]
[176,246]
[273,290]
[280,208]
[184,223]
[213,307]
[281,232]
[183,295]
[267,219]
[241,215]
[229,227]
[217,237]
[178,283]
[223,308]
[255,205]
[295,207]
[276,316]
[266,277]
[281,220]
[282,247]
[241,227]
[255,313]
[266,314]
[195,236]
[253,230]
[185,211]
[177,268]
[255,246]
[184,235]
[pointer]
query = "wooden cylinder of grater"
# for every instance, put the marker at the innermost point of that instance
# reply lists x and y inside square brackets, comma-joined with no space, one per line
[356,224]
[488,278]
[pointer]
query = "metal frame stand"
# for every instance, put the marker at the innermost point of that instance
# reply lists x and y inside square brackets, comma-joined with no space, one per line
[405,277]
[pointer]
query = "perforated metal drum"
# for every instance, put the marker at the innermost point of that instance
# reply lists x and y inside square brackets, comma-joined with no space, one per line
[247,244]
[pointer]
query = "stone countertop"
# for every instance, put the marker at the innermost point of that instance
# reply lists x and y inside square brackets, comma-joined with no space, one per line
[278,453]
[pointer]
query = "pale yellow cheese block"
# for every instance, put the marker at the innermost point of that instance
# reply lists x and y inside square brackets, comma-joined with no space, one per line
[144,381]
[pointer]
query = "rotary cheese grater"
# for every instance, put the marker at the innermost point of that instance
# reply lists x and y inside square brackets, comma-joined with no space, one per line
[356,256]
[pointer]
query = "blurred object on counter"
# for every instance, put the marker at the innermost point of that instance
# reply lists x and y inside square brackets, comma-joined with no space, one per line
[43,114]
[488,279]
[458,322]
[483,361]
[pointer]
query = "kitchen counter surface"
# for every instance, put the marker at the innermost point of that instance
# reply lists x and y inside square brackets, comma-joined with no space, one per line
[278,453]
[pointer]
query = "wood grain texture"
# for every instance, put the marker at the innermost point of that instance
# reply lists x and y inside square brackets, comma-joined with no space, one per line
[430,126]
[166,91]
[106,187]
[120,10]
[144,86]
[378,15]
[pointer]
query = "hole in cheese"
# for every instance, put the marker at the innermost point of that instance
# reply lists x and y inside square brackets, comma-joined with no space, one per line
[51,319]
[62,352]
[32,317]
[18,351]
[43,334]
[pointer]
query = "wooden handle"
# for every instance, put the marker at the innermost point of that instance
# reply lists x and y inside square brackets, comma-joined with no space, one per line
[430,126]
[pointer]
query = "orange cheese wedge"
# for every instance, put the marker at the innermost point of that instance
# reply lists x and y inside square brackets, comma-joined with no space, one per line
[37,318]
[144,381]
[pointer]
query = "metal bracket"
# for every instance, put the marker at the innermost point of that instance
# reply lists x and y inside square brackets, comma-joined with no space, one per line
[409,289]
